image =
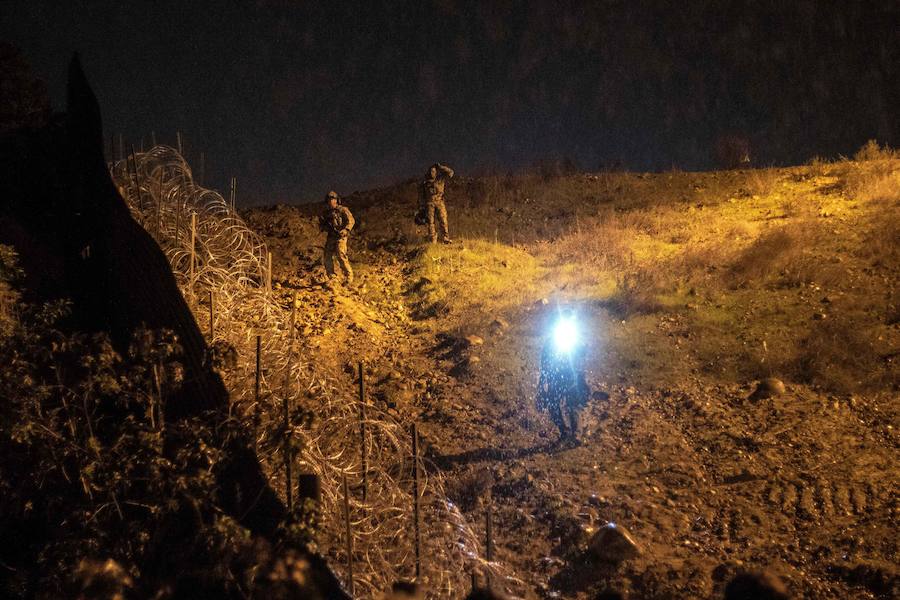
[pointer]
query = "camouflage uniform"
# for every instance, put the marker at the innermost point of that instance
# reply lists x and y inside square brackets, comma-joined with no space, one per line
[336,223]
[431,199]
[562,383]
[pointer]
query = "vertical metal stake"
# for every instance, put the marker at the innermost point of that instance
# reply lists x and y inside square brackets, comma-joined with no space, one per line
[233,189]
[286,405]
[193,250]
[293,316]
[416,507]
[362,432]
[180,147]
[349,536]
[287,453]
[258,364]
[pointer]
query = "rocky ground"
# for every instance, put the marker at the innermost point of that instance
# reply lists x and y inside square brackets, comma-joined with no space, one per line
[708,478]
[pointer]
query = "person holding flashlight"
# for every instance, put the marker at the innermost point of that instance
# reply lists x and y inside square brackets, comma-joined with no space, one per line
[562,389]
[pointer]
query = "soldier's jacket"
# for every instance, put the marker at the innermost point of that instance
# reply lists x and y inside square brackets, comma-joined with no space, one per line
[337,222]
[432,190]
[562,378]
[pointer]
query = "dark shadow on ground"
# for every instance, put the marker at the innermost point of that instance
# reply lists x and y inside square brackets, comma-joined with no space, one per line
[496,454]
[582,574]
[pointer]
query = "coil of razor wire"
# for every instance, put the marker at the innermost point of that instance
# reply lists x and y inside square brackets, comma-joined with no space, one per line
[231,261]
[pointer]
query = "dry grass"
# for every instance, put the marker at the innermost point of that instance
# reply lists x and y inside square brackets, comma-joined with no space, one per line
[764,258]
[881,244]
[877,181]
[761,182]
[839,356]
[786,256]
[474,277]
[871,150]
[596,243]
[636,294]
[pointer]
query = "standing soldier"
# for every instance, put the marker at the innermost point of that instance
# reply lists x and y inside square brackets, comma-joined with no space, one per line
[336,222]
[562,390]
[431,200]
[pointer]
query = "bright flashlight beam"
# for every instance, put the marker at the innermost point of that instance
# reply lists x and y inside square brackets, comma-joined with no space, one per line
[565,335]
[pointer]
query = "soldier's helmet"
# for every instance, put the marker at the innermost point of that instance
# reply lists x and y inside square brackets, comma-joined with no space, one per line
[332,194]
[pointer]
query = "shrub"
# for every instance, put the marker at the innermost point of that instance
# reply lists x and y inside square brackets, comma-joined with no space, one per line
[872,151]
[95,483]
[878,182]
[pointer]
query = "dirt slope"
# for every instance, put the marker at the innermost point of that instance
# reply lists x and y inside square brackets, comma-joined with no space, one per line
[690,288]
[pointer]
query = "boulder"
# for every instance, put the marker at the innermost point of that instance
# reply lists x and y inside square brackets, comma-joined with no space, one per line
[768,388]
[613,544]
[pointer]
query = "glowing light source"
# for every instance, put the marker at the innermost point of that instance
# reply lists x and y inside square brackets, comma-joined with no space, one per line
[565,335]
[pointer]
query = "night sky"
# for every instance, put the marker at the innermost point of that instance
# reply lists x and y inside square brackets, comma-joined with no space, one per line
[295,98]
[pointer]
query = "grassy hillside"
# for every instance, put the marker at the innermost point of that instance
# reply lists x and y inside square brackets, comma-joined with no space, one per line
[741,274]
[691,287]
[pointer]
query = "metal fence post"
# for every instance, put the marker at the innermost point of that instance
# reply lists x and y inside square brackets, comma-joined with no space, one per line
[364,451]
[416,507]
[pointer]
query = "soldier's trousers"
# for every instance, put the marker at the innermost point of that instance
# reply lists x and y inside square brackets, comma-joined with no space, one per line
[336,251]
[566,429]
[437,211]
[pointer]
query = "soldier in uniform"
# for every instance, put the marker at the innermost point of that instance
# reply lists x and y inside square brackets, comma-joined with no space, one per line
[431,200]
[562,389]
[336,222]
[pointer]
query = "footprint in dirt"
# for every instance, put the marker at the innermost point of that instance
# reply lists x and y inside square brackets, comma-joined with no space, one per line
[822,499]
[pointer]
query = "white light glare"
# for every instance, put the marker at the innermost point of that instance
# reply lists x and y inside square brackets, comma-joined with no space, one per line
[565,335]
